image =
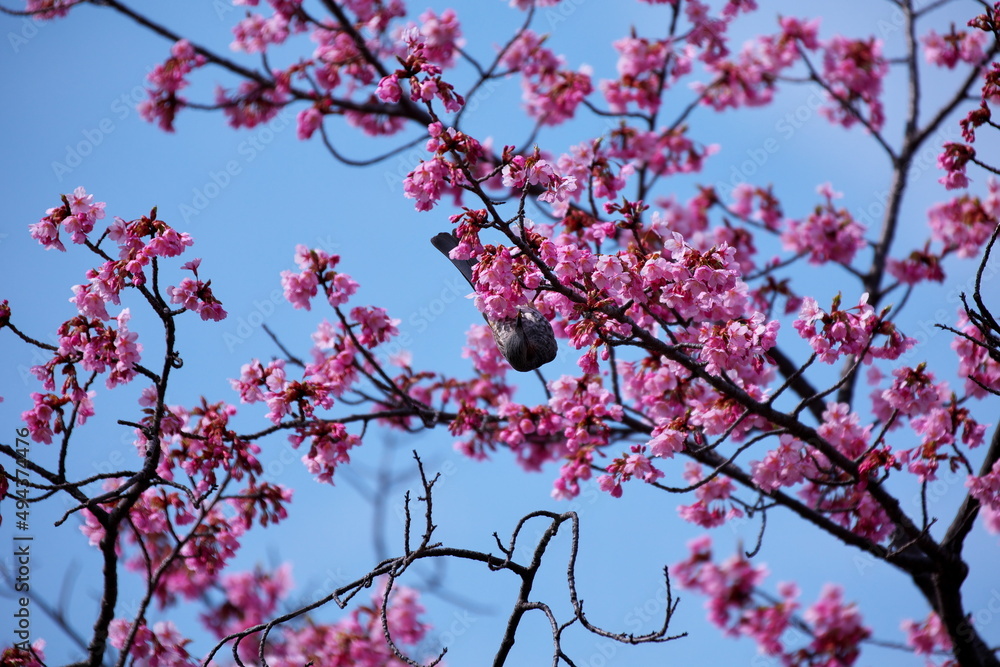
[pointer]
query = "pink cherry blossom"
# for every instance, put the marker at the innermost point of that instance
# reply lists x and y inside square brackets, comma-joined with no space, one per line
[388,89]
[842,428]
[734,605]
[839,332]
[197,296]
[641,81]
[442,36]
[329,445]
[77,217]
[159,646]
[551,93]
[953,160]
[251,104]
[739,343]
[127,351]
[707,32]
[966,222]
[167,79]
[50,9]
[980,370]
[38,419]
[426,183]
[827,235]
[730,588]
[919,266]
[255,33]
[482,350]
[986,488]
[307,122]
[376,326]
[712,507]
[318,270]
[669,438]
[927,637]
[625,467]
[89,302]
[854,70]
[25,655]
[522,172]
[700,285]
[837,629]
[532,434]
[251,597]
[787,465]
[914,391]
[585,407]
[299,288]
[359,639]
[957,46]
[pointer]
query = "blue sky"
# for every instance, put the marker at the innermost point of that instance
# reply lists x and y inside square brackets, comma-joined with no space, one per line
[69,120]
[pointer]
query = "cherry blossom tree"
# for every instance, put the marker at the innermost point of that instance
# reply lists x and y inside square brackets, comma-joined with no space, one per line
[699,356]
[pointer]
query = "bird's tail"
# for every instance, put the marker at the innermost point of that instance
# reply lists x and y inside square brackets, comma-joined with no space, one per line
[446,242]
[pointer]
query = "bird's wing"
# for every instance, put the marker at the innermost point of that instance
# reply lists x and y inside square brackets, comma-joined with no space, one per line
[445,242]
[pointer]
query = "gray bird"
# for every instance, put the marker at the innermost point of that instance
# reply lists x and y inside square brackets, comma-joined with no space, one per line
[526,341]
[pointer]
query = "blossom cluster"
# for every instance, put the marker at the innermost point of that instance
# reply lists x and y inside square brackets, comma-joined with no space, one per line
[964,223]
[86,342]
[551,92]
[835,626]
[671,312]
[250,598]
[359,639]
[456,155]
[981,372]
[928,637]
[167,80]
[154,520]
[159,646]
[852,331]
[966,47]
[430,49]
[854,70]
[339,359]
[586,408]
[827,235]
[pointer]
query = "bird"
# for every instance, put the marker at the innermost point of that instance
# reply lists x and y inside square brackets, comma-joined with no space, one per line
[526,341]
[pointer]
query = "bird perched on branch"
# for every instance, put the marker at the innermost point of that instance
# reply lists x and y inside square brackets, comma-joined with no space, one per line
[526,341]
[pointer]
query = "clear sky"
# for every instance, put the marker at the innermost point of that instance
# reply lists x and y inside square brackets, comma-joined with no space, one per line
[68,119]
